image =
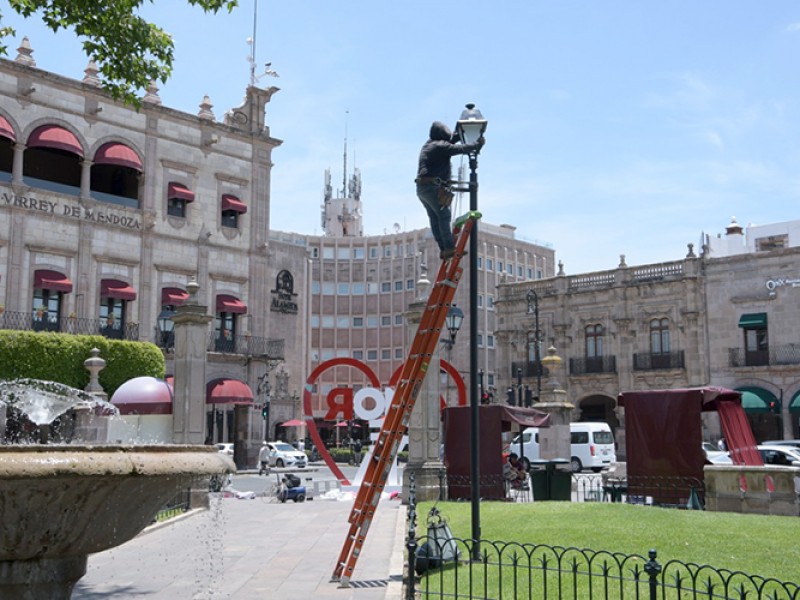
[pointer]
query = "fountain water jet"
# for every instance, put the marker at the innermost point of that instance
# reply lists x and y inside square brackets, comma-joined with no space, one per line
[61,502]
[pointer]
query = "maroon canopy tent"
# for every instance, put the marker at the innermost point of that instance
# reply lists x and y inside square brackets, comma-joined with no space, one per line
[663,435]
[494,419]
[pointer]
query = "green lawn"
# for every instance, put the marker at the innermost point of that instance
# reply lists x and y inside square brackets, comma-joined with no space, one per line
[768,546]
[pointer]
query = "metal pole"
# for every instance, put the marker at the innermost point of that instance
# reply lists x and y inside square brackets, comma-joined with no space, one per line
[520,399]
[474,399]
[533,305]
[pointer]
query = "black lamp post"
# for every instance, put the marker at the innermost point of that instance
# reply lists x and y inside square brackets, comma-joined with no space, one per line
[470,128]
[533,307]
[263,390]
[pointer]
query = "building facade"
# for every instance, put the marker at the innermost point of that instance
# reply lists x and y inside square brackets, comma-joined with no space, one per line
[107,212]
[724,318]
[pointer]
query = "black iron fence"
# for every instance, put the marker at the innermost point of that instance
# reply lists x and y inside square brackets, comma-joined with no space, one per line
[45,321]
[177,505]
[443,566]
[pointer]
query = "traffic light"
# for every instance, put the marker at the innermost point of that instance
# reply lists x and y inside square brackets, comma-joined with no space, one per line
[510,396]
[265,411]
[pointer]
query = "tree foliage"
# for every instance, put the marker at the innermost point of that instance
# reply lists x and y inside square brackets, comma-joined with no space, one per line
[129,52]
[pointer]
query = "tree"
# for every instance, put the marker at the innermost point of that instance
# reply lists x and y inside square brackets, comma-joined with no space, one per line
[129,52]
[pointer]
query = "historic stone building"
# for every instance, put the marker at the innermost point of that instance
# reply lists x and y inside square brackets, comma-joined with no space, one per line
[107,212]
[728,317]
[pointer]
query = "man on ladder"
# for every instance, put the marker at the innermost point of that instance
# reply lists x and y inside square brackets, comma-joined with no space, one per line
[434,173]
[434,182]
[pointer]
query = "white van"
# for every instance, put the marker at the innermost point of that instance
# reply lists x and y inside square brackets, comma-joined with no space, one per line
[592,446]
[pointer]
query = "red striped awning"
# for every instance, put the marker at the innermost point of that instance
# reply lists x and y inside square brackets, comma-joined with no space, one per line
[44,279]
[6,130]
[114,153]
[231,202]
[228,391]
[230,304]
[53,136]
[113,288]
[173,296]
[179,191]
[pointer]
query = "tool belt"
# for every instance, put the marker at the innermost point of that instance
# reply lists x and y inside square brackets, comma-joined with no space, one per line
[445,191]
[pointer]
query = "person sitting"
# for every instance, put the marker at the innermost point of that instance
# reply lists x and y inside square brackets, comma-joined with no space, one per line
[513,472]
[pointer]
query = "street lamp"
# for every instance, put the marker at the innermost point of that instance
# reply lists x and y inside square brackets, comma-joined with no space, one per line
[533,307]
[470,128]
[453,320]
[166,327]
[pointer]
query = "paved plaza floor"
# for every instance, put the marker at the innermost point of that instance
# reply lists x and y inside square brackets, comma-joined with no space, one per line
[252,549]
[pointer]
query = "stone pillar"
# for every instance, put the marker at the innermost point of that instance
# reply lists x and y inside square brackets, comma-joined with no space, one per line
[554,441]
[424,426]
[191,338]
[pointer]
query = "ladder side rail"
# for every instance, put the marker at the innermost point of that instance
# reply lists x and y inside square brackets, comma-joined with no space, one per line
[385,451]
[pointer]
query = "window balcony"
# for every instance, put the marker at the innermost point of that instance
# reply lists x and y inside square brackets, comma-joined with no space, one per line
[31,321]
[528,368]
[648,361]
[250,345]
[592,365]
[788,354]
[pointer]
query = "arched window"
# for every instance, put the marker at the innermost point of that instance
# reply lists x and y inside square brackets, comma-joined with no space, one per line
[115,175]
[7,140]
[52,160]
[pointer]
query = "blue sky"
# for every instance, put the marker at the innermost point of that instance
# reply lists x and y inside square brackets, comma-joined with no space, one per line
[615,127]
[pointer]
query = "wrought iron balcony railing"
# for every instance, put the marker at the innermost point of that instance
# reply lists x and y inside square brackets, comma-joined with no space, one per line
[590,365]
[34,321]
[648,361]
[269,348]
[788,354]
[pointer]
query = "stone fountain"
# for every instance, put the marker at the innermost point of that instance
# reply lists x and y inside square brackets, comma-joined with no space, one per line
[62,502]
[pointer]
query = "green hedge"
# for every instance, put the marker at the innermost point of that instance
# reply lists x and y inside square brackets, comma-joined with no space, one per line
[59,357]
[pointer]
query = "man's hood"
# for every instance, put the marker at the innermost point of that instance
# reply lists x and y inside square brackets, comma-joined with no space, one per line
[440,131]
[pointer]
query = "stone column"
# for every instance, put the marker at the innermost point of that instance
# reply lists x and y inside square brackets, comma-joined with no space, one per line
[191,338]
[554,441]
[424,430]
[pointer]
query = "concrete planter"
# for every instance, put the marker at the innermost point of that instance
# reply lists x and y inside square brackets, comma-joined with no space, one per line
[764,490]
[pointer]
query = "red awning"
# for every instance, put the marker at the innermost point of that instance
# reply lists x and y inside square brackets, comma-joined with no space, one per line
[53,136]
[228,391]
[6,130]
[230,202]
[113,288]
[173,296]
[114,153]
[44,279]
[230,304]
[144,396]
[179,191]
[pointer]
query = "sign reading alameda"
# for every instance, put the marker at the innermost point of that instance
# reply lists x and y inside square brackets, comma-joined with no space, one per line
[283,296]
[70,210]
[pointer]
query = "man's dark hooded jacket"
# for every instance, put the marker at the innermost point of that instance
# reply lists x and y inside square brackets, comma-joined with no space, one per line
[434,158]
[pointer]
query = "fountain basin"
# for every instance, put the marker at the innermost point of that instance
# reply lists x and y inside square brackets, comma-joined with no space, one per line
[59,503]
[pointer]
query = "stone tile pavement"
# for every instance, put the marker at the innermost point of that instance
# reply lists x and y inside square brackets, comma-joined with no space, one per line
[248,549]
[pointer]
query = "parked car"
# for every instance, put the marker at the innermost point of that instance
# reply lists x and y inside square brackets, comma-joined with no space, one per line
[716,456]
[792,443]
[225,449]
[282,454]
[779,455]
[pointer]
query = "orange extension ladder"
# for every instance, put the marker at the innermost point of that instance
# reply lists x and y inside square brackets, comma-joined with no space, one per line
[397,416]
